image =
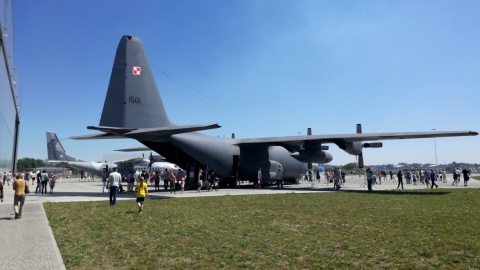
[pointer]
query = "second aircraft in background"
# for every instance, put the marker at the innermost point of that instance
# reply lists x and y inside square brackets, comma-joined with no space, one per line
[56,153]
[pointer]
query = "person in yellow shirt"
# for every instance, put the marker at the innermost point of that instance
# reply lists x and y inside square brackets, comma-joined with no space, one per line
[141,191]
[19,186]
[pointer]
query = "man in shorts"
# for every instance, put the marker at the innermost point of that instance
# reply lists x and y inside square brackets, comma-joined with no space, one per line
[142,191]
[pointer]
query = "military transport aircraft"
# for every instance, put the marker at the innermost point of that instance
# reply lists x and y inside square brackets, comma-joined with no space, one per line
[134,109]
[56,153]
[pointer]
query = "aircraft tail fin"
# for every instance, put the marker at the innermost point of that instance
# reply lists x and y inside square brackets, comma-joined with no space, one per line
[133,100]
[55,149]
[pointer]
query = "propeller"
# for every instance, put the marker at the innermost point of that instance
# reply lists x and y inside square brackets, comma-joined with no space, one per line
[360,156]
[309,133]
[151,161]
[361,163]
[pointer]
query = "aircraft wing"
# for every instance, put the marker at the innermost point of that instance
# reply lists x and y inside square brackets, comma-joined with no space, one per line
[131,161]
[292,142]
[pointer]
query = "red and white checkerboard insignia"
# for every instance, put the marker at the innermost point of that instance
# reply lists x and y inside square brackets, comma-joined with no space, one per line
[136,70]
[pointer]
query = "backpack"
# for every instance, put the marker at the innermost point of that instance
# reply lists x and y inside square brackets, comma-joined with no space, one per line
[44,177]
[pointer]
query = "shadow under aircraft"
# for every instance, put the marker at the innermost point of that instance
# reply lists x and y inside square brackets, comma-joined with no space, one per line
[134,109]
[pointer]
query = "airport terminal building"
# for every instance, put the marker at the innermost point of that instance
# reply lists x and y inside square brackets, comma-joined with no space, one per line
[9,92]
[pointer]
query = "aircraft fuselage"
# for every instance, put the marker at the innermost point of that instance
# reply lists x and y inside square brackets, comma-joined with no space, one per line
[226,158]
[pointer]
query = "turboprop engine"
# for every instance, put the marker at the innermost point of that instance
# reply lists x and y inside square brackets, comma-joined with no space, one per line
[316,156]
[355,148]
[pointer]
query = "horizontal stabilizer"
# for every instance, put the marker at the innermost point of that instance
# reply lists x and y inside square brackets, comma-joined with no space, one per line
[112,130]
[136,149]
[57,161]
[97,136]
[167,131]
[151,134]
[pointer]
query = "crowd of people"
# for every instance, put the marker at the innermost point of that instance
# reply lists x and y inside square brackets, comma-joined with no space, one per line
[20,183]
[424,176]
[137,183]
[42,178]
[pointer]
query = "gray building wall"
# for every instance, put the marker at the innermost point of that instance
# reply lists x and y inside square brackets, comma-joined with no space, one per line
[9,92]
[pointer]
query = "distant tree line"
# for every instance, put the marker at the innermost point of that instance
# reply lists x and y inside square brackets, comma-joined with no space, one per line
[30,163]
[25,163]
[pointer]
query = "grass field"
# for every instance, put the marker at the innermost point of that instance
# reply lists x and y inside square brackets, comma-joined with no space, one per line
[345,230]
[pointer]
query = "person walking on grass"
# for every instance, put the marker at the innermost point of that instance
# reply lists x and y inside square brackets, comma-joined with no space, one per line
[141,191]
[113,182]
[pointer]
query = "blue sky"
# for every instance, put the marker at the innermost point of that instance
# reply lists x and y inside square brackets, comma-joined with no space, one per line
[259,69]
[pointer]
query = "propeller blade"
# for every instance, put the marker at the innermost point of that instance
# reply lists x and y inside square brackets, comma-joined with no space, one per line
[359,128]
[360,161]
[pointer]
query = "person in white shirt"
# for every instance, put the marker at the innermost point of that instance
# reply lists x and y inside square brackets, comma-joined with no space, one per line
[113,182]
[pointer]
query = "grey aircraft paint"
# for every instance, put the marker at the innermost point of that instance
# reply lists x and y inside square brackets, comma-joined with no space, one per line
[134,109]
[55,149]
[56,153]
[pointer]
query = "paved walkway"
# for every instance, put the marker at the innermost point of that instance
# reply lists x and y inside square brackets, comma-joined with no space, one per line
[27,243]
[30,239]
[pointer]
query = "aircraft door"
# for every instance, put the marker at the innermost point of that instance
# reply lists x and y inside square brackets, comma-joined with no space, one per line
[234,173]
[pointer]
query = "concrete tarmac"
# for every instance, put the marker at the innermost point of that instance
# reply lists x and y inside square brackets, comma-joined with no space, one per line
[28,243]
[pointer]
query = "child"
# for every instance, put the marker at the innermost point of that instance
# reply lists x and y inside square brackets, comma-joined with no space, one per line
[142,191]
[52,183]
